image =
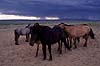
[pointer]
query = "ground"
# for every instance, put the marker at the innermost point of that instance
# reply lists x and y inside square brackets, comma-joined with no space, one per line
[24,55]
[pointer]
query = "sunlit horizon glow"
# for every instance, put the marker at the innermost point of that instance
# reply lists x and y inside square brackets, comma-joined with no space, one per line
[14,17]
[52,18]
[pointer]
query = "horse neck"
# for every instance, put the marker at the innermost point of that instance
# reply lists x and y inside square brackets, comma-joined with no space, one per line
[56,28]
[42,30]
[28,27]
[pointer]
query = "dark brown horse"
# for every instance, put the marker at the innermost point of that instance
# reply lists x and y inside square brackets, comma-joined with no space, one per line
[47,36]
[59,47]
[77,31]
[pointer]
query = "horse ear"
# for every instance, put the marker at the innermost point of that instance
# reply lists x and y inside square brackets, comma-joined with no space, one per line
[36,24]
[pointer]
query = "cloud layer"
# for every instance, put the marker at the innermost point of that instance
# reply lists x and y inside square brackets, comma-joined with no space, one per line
[61,8]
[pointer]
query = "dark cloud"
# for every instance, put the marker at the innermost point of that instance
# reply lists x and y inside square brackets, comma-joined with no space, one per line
[61,8]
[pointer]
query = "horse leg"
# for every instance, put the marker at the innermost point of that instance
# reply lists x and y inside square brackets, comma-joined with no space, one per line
[78,39]
[66,44]
[49,48]
[75,43]
[37,50]
[58,46]
[16,39]
[27,37]
[44,51]
[68,41]
[70,44]
[86,38]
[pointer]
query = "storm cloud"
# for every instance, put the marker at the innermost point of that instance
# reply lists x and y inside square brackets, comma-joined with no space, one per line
[78,9]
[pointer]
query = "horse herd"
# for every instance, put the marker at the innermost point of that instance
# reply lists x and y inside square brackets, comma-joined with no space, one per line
[60,34]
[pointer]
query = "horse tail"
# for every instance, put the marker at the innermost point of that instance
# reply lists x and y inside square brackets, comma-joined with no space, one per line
[91,34]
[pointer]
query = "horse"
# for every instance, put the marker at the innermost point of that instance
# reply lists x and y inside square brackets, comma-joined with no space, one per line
[38,43]
[77,31]
[22,31]
[47,36]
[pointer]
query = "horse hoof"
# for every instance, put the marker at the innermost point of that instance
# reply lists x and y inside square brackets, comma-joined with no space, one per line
[50,59]
[75,47]
[27,41]
[84,46]
[70,46]
[60,52]
[70,49]
[57,50]
[16,44]
[36,56]
[44,59]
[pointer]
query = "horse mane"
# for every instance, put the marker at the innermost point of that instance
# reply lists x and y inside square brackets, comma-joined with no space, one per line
[84,24]
[44,27]
[28,25]
[68,25]
[41,27]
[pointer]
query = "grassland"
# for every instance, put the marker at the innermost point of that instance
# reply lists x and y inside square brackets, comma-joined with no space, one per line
[24,55]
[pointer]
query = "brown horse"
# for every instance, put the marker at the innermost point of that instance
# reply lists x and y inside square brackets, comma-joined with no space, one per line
[77,31]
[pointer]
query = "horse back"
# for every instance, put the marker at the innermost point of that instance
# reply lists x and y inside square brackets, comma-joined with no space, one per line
[22,31]
[51,35]
[77,30]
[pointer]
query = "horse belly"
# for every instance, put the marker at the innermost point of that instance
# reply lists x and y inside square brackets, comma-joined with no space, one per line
[77,31]
[80,32]
[51,38]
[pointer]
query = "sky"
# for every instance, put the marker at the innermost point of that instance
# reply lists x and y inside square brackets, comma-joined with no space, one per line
[73,9]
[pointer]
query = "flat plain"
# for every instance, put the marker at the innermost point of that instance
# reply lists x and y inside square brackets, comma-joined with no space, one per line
[24,55]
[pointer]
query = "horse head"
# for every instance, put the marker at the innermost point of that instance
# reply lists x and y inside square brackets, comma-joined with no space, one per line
[36,24]
[34,31]
[61,25]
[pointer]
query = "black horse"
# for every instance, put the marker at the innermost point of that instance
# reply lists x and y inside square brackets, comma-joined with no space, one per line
[47,36]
